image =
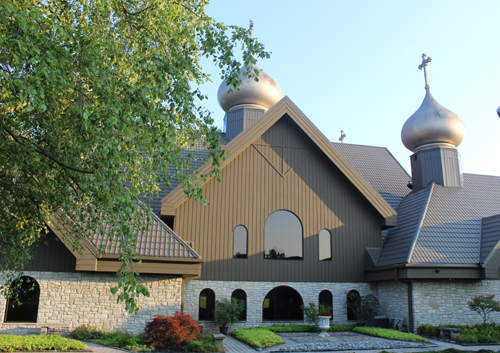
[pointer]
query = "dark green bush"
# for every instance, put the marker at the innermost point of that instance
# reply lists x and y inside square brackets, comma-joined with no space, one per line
[112,339]
[11,343]
[88,332]
[257,337]
[290,328]
[341,328]
[204,344]
[428,330]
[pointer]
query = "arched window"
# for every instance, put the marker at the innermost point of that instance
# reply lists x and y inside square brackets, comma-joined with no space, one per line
[240,242]
[282,303]
[326,298]
[283,236]
[353,302]
[241,295]
[207,304]
[325,245]
[23,305]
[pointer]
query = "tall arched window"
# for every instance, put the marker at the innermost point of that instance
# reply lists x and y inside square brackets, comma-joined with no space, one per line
[23,305]
[326,298]
[240,242]
[283,236]
[353,302]
[282,303]
[325,245]
[206,305]
[241,295]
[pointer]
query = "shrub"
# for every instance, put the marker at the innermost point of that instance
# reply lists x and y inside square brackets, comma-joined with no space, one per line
[171,332]
[484,305]
[204,344]
[227,312]
[88,333]
[258,337]
[388,333]
[290,328]
[364,307]
[428,330]
[11,343]
[341,328]
[310,313]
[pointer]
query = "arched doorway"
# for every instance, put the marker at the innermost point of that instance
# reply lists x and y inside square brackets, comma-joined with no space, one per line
[23,305]
[282,303]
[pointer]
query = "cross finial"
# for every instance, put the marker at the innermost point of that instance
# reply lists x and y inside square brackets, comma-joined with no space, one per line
[342,136]
[251,28]
[425,61]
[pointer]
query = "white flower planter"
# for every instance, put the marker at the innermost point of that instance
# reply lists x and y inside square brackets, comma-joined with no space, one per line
[324,325]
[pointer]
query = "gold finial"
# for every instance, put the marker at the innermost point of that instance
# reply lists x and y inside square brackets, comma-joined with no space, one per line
[425,61]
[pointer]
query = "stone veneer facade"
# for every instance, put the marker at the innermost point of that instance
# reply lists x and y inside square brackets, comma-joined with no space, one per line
[73,299]
[257,291]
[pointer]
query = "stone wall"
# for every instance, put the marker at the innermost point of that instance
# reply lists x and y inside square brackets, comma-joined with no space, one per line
[445,302]
[393,297]
[73,299]
[256,292]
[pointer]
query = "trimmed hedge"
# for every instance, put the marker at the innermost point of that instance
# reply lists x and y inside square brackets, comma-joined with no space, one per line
[258,337]
[307,328]
[479,333]
[204,344]
[10,343]
[388,333]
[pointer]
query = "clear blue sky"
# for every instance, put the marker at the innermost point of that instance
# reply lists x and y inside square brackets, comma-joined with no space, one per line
[352,66]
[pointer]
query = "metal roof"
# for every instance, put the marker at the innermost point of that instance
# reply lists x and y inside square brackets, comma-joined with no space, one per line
[379,167]
[443,224]
[158,241]
[490,235]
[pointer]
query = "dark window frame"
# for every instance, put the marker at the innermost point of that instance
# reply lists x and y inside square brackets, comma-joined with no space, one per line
[278,305]
[243,314]
[28,294]
[246,243]
[207,313]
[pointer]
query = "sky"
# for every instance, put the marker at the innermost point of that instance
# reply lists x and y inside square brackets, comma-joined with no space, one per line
[353,66]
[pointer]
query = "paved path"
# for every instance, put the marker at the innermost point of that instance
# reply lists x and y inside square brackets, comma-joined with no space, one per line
[232,345]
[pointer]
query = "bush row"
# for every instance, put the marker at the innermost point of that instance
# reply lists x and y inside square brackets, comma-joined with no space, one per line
[11,343]
[389,334]
[479,333]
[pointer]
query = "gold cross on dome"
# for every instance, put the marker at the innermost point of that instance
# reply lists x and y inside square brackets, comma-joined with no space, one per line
[425,61]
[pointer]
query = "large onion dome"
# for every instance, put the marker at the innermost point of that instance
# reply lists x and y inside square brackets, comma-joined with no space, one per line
[432,123]
[263,93]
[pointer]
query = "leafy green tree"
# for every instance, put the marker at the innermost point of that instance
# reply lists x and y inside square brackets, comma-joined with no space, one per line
[484,305]
[96,95]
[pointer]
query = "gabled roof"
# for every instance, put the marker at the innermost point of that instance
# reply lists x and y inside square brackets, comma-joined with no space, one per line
[442,225]
[379,167]
[288,108]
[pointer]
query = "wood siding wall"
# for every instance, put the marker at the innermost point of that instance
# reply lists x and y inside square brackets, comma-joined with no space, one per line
[51,255]
[281,170]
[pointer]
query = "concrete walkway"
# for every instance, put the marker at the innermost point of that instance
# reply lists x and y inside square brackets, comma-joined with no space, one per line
[232,345]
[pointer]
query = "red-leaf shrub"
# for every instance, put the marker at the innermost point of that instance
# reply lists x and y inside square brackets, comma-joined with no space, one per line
[171,332]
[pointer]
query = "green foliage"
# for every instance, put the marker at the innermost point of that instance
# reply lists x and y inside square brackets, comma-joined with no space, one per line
[97,95]
[171,332]
[364,307]
[484,305]
[289,328]
[480,333]
[310,313]
[11,343]
[257,337]
[341,328]
[113,339]
[227,312]
[388,333]
[204,344]
[428,330]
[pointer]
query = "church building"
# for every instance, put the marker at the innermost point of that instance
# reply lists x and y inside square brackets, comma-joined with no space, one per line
[295,219]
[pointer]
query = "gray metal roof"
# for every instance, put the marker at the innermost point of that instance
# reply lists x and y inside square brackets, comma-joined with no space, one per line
[379,167]
[490,235]
[158,241]
[443,224]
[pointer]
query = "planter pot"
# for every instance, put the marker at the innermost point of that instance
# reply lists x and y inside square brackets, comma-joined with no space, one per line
[324,325]
[223,330]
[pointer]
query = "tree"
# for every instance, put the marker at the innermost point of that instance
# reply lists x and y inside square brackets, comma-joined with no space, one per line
[97,95]
[484,305]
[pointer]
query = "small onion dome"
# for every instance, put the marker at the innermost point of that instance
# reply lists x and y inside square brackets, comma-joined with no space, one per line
[432,124]
[265,93]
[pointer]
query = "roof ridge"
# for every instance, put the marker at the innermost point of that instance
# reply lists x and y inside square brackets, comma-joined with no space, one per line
[419,226]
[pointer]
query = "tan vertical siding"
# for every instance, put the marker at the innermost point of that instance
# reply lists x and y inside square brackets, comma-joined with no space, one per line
[258,182]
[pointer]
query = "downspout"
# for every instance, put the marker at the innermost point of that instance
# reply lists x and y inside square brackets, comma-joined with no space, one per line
[409,287]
